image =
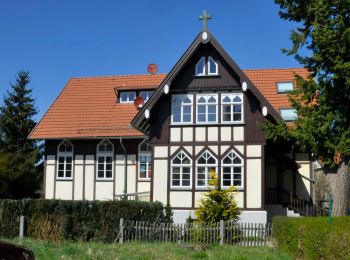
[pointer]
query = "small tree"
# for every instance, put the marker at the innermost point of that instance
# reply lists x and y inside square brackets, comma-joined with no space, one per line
[218,204]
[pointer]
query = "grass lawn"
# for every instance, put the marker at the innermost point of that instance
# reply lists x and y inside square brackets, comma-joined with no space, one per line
[95,250]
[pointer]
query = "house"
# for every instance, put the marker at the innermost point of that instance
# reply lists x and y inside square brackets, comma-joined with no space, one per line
[202,115]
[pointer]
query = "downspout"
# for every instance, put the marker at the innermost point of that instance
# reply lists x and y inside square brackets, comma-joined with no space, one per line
[125,168]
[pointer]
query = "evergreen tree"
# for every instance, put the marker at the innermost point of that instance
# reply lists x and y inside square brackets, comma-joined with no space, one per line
[18,155]
[321,43]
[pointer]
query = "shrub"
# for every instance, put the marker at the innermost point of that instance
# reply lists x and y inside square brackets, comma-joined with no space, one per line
[74,220]
[218,204]
[313,238]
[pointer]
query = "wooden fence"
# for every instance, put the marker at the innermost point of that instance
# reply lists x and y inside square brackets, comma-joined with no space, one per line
[230,233]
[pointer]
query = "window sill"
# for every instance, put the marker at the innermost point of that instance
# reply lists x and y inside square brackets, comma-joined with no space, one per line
[105,180]
[64,179]
[181,189]
[144,179]
[207,76]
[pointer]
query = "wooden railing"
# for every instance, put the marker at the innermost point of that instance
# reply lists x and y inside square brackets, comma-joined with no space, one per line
[133,196]
[288,199]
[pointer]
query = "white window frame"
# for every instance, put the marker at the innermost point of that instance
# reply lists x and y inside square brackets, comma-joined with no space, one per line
[182,97]
[289,109]
[181,166]
[284,91]
[104,154]
[203,70]
[206,166]
[232,166]
[216,66]
[148,93]
[206,104]
[148,154]
[231,103]
[128,96]
[65,155]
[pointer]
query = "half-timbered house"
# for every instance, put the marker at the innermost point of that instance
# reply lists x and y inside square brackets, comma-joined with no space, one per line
[202,115]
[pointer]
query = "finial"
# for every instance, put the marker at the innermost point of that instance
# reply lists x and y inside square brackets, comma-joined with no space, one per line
[205,17]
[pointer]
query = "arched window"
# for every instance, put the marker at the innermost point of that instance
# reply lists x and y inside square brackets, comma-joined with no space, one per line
[65,160]
[232,170]
[105,153]
[231,108]
[181,171]
[145,160]
[204,165]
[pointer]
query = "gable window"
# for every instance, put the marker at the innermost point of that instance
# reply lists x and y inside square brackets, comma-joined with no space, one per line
[127,96]
[289,114]
[205,164]
[105,153]
[65,160]
[145,160]
[231,108]
[200,67]
[146,95]
[212,66]
[181,109]
[284,87]
[207,108]
[181,171]
[232,170]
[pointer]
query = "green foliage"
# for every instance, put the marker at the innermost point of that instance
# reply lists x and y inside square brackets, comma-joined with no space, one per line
[218,204]
[323,100]
[313,238]
[19,156]
[74,220]
[168,214]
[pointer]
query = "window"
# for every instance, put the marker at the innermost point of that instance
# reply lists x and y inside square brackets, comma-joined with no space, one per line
[65,161]
[181,171]
[231,108]
[127,97]
[288,114]
[209,68]
[146,95]
[283,87]
[200,67]
[105,153]
[207,108]
[212,66]
[232,170]
[181,109]
[204,165]
[145,160]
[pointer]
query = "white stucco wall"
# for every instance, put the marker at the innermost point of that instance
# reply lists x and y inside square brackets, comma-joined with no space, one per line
[50,177]
[187,134]
[160,171]
[64,190]
[89,177]
[213,132]
[180,198]
[238,133]
[226,133]
[78,179]
[175,134]
[254,183]
[104,190]
[161,152]
[200,134]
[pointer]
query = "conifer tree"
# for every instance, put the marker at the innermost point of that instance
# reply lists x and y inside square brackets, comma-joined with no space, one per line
[18,155]
[321,43]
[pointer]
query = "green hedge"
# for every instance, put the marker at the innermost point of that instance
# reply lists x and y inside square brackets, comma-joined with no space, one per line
[313,238]
[74,220]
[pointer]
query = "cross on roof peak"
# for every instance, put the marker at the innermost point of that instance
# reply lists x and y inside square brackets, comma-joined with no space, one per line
[205,17]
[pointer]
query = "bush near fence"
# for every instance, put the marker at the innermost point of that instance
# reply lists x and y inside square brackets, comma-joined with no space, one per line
[313,238]
[74,220]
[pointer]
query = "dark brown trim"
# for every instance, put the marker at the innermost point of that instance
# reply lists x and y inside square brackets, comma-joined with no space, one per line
[169,177]
[312,177]
[94,189]
[207,143]
[152,177]
[245,176]
[294,174]
[263,176]
[73,173]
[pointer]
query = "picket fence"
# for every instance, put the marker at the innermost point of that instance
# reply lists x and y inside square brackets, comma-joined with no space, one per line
[230,233]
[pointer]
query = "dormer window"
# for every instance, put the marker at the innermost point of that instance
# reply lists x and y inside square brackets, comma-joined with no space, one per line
[127,96]
[289,114]
[200,67]
[284,87]
[212,66]
[207,66]
[146,95]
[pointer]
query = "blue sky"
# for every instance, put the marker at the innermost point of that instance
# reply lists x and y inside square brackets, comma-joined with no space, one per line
[56,40]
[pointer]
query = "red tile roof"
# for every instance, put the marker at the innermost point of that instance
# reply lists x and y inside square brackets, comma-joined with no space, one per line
[87,107]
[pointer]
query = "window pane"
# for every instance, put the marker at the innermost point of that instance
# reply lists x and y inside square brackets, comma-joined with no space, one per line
[109,147]
[185,183]
[289,114]
[212,109]
[226,183]
[200,67]
[123,96]
[68,174]
[100,174]
[101,159]
[69,148]
[226,99]
[68,166]
[176,182]
[226,117]
[186,169]
[237,108]
[176,118]
[283,87]
[237,117]
[212,118]
[187,109]
[212,66]
[201,118]
[108,174]
[109,159]
[201,109]
[237,183]
[60,159]
[212,100]
[227,160]
[236,160]
[237,169]
[108,167]
[187,100]
[187,118]
[132,96]
[201,100]
[100,167]
[237,99]
[176,169]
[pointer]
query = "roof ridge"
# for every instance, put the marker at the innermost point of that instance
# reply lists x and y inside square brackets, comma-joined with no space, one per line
[261,69]
[117,76]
